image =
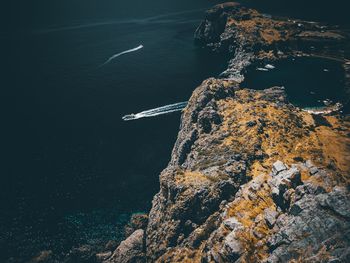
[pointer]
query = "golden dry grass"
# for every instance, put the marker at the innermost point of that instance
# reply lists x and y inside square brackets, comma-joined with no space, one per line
[288,135]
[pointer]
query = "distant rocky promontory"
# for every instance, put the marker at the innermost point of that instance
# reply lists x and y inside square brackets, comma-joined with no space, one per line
[252,178]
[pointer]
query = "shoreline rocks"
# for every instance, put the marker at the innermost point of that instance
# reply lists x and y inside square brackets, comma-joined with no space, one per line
[229,196]
[237,188]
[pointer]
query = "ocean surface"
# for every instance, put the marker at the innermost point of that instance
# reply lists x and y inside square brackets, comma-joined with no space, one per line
[72,169]
[309,82]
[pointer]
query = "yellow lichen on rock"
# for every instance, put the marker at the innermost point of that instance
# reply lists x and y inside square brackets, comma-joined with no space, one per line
[249,210]
[283,133]
[180,255]
[191,178]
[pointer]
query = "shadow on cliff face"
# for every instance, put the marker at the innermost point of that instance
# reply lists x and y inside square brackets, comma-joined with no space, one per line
[309,82]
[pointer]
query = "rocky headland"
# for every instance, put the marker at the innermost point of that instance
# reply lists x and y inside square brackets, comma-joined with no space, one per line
[252,178]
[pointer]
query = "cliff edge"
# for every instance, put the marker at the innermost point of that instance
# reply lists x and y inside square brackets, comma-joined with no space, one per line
[252,178]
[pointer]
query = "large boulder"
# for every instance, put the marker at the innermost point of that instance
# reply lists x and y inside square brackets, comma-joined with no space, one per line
[283,183]
[316,229]
[130,250]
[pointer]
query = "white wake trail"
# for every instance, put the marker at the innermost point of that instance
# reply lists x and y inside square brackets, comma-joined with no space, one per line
[164,108]
[121,53]
[156,112]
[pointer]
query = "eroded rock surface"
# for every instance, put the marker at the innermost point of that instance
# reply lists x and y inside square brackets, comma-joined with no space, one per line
[130,250]
[247,189]
[252,178]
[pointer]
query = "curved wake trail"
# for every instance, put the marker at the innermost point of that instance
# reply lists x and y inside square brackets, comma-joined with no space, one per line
[121,53]
[156,112]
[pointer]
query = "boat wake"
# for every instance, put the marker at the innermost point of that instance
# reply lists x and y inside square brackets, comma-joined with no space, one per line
[121,53]
[155,112]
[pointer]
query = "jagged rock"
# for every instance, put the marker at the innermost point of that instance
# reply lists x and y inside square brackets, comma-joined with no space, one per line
[207,118]
[282,182]
[130,250]
[337,201]
[237,64]
[308,229]
[278,167]
[295,210]
[313,170]
[214,25]
[100,257]
[258,234]
[307,188]
[270,217]
[214,194]
[232,223]
[204,231]
[137,221]
[232,247]
[192,208]
[309,164]
[259,218]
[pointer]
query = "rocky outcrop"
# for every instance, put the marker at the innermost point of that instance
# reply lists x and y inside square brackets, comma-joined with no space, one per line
[251,178]
[237,185]
[137,221]
[130,250]
[312,230]
[247,37]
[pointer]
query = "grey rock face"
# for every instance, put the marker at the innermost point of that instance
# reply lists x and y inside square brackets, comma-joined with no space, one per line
[207,118]
[232,246]
[237,64]
[214,24]
[313,170]
[313,226]
[137,221]
[191,218]
[278,167]
[130,250]
[192,213]
[309,164]
[232,223]
[337,201]
[282,181]
[270,217]
[100,257]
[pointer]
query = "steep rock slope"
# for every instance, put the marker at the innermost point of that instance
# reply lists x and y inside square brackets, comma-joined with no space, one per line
[244,171]
[252,178]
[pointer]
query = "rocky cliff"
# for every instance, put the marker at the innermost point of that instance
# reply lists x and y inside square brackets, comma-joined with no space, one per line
[252,178]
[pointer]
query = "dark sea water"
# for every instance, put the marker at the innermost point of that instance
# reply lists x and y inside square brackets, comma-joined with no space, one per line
[309,82]
[72,170]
